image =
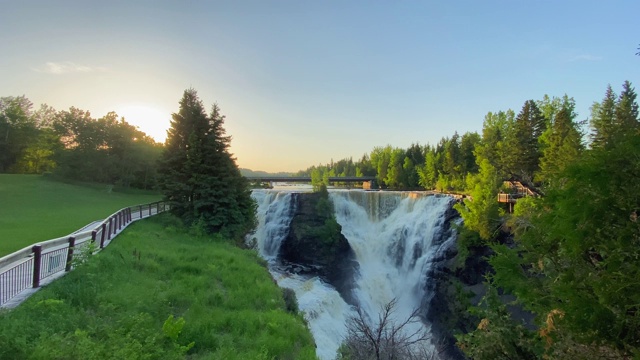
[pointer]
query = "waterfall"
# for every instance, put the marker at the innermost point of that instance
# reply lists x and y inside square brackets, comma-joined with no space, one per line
[274,212]
[395,236]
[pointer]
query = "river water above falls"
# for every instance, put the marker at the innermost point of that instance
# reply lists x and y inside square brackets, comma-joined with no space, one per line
[395,236]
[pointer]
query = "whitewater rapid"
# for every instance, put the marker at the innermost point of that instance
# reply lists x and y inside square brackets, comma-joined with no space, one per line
[392,235]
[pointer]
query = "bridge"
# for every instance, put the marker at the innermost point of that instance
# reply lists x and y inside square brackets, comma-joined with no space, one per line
[305,179]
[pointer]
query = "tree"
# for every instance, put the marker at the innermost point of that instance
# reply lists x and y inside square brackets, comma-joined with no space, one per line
[199,177]
[429,172]
[385,339]
[522,151]
[603,120]
[563,148]
[626,114]
[494,137]
[481,213]
[17,130]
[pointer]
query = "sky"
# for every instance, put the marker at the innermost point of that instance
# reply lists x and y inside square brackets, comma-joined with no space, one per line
[302,82]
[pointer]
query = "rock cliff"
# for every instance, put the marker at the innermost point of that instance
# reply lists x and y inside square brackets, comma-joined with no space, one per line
[316,246]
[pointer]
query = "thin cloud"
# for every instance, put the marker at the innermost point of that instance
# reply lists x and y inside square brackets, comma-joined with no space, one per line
[585,57]
[67,67]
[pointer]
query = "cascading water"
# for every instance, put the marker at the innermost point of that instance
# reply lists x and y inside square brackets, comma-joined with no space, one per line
[395,236]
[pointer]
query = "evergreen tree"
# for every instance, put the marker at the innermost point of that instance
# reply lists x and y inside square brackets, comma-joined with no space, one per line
[495,131]
[522,152]
[563,148]
[626,115]
[603,120]
[199,177]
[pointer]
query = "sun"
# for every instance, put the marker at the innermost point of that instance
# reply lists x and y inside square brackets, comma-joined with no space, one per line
[153,120]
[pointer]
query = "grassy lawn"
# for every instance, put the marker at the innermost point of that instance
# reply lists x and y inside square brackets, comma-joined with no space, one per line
[34,208]
[159,293]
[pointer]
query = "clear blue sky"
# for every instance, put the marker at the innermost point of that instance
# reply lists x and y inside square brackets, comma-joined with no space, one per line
[302,82]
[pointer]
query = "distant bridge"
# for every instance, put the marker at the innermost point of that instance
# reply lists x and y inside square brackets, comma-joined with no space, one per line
[305,179]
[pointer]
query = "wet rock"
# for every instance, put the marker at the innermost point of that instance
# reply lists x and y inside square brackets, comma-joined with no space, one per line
[316,245]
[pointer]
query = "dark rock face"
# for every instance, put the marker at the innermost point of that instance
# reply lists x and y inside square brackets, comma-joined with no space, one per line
[315,248]
[440,293]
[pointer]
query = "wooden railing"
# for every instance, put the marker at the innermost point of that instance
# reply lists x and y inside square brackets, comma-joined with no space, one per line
[30,267]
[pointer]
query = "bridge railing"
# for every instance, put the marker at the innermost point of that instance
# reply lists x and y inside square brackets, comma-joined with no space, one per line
[30,267]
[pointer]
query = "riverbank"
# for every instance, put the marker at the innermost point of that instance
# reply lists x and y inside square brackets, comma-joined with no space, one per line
[158,292]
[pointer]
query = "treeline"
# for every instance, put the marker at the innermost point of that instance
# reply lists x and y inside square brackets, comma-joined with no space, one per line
[529,146]
[73,145]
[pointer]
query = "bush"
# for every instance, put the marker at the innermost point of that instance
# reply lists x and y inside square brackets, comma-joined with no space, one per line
[290,300]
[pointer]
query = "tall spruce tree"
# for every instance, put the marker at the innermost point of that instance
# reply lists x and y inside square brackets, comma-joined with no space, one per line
[563,148]
[603,120]
[626,118]
[199,177]
[522,151]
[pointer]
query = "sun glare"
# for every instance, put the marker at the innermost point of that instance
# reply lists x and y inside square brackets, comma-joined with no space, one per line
[152,120]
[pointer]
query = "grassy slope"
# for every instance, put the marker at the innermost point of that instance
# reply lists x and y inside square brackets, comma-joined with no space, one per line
[34,208]
[115,305]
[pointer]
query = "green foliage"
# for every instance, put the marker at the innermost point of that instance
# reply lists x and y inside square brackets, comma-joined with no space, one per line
[467,240]
[154,294]
[497,336]
[564,146]
[329,232]
[107,150]
[290,300]
[17,130]
[36,208]
[481,213]
[613,118]
[200,178]
[172,329]
[522,152]
[575,264]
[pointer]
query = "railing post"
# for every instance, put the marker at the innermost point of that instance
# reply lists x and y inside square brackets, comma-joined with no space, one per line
[110,228]
[94,235]
[72,244]
[149,209]
[37,258]
[140,211]
[104,229]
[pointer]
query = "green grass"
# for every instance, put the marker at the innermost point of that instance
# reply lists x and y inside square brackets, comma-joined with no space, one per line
[34,208]
[127,302]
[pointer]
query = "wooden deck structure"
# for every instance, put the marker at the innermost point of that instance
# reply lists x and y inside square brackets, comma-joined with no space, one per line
[517,190]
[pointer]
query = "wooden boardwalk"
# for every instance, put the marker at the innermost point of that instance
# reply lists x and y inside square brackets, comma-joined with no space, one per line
[23,272]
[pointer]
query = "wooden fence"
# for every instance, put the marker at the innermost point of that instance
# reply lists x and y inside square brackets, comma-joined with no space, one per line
[34,265]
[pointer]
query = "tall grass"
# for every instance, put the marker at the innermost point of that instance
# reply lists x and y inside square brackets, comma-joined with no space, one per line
[159,293]
[34,208]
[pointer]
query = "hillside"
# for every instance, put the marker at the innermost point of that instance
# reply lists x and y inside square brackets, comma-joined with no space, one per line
[159,292]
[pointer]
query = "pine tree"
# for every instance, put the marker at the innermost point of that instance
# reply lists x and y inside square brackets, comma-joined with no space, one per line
[602,120]
[626,114]
[199,177]
[522,152]
[563,147]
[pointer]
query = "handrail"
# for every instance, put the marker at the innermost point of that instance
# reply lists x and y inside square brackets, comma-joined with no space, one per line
[27,267]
